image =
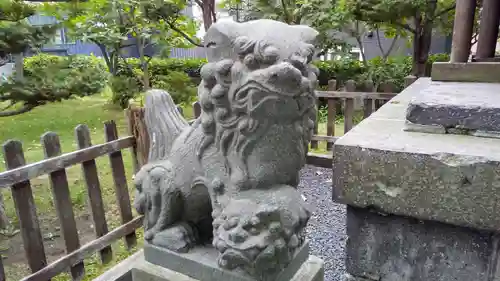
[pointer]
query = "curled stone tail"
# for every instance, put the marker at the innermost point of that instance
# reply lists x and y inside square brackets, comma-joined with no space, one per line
[164,123]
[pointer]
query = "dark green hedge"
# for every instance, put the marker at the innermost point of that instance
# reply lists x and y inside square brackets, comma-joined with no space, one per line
[181,76]
[394,70]
[50,78]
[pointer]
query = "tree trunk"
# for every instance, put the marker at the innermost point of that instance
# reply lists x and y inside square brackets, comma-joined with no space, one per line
[208,10]
[141,46]
[422,39]
[19,66]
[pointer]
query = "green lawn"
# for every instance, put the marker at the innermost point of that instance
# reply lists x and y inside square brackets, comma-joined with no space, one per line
[62,118]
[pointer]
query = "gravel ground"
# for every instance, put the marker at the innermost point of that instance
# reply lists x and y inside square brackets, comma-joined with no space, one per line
[326,229]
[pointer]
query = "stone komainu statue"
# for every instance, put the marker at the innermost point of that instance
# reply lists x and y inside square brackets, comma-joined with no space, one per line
[231,177]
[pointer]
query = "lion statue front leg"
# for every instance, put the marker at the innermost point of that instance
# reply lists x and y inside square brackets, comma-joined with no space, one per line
[162,204]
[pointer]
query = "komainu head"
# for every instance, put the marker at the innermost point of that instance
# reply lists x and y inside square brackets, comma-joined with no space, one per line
[259,74]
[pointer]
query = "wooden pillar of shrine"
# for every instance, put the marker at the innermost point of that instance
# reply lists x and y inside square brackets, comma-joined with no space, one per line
[462,30]
[488,29]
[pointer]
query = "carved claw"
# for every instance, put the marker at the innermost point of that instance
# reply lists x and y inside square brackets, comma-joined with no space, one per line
[179,238]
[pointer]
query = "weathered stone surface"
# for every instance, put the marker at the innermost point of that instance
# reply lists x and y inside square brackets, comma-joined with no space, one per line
[449,178]
[201,263]
[394,248]
[486,72]
[230,179]
[136,268]
[456,107]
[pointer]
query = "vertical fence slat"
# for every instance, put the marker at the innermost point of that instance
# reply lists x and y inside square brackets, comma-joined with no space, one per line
[120,179]
[368,103]
[26,209]
[2,270]
[140,133]
[196,109]
[89,170]
[386,87]
[410,79]
[314,144]
[130,116]
[350,86]
[62,201]
[332,113]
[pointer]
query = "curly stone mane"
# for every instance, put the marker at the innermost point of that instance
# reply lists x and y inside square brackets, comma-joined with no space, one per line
[232,99]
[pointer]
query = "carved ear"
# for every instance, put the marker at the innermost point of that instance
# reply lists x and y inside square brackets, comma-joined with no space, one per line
[308,34]
[221,32]
[219,39]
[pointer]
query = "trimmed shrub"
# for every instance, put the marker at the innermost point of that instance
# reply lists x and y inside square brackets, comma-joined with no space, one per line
[50,78]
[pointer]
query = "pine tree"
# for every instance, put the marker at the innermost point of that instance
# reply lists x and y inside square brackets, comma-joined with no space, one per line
[17,36]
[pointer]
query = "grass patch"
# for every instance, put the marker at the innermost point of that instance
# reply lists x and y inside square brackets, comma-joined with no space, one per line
[62,118]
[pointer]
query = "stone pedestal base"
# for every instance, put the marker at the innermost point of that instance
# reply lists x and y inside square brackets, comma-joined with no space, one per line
[389,248]
[157,264]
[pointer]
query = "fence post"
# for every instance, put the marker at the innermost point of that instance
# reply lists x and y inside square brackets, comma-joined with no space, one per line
[314,144]
[332,113]
[26,209]
[89,170]
[350,86]
[386,87]
[131,120]
[62,201]
[139,131]
[120,179]
[410,79]
[368,103]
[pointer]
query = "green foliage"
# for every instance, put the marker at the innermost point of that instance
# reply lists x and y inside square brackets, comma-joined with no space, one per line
[177,76]
[124,89]
[117,24]
[50,79]
[342,70]
[159,66]
[393,69]
[178,84]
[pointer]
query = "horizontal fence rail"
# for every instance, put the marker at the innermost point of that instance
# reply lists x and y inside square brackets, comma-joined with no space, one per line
[19,174]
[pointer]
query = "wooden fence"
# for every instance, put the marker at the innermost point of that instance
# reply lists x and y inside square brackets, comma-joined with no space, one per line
[338,102]
[18,177]
[19,174]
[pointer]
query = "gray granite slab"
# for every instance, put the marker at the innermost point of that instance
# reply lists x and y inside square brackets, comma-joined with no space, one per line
[137,268]
[449,178]
[456,107]
[389,248]
[201,263]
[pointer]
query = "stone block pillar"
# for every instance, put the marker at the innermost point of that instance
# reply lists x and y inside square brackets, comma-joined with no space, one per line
[421,179]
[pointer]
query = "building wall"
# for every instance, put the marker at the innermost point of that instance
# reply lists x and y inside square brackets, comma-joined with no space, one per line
[61,45]
[402,47]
